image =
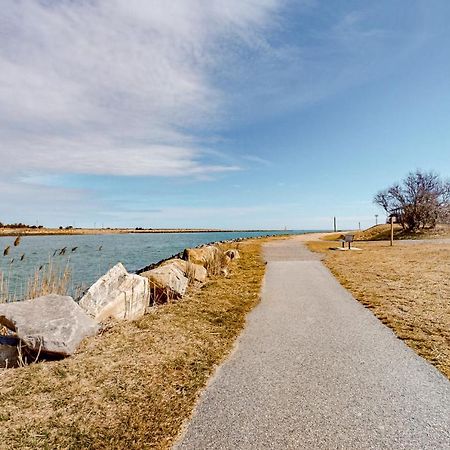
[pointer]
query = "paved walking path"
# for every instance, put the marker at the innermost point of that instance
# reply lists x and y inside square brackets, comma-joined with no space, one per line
[314,369]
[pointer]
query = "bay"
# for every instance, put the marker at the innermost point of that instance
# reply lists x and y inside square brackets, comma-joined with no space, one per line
[90,256]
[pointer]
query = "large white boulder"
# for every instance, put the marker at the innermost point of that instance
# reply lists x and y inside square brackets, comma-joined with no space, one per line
[192,271]
[53,324]
[167,282]
[117,295]
[202,255]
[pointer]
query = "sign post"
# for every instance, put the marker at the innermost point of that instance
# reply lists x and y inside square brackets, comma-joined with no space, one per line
[392,231]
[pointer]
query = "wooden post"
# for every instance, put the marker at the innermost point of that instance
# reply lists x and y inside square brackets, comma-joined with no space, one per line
[392,231]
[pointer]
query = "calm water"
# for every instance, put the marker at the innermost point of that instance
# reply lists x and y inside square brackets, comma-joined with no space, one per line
[88,263]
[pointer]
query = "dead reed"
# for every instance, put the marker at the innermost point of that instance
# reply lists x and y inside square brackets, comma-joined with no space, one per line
[216,262]
[190,272]
[52,277]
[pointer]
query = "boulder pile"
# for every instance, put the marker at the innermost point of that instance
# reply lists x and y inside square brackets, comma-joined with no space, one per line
[53,326]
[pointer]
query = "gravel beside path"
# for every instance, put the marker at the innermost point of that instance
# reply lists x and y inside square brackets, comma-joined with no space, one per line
[314,369]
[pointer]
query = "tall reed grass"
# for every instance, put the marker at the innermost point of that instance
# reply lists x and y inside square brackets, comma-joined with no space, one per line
[53,277]
[215,263]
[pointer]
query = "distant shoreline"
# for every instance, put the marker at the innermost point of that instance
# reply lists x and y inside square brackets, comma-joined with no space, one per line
[92,231]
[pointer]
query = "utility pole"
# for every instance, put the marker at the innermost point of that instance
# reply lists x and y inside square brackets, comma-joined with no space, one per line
[335,225]
[376,219]
[359,225]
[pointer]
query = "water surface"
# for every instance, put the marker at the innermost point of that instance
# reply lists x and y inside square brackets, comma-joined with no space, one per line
[90,256]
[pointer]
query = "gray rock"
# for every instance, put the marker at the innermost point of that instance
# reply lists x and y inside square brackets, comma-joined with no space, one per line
[167,282]
[9,340]
[53,324]
[202,255]
[189,269]
[9,356]
[9,353]
[117,295]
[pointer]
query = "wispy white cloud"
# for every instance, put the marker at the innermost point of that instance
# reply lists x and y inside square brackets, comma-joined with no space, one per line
[114,86]
[256,160]
[100,156]
[139,87]
[147,87]
[325,51]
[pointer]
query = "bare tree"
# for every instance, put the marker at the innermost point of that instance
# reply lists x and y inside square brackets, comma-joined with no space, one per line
[421,200]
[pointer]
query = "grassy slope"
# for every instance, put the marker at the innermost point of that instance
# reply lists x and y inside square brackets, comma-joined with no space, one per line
[406,286]
[383,232]
[133,386]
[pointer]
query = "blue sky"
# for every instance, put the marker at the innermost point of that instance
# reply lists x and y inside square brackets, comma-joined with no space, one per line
[231,114]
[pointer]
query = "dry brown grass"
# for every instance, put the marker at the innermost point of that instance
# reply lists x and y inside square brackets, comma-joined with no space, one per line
[383,232]
[133,386]
[333,236]
[406,286]
[216,262]
[51,278]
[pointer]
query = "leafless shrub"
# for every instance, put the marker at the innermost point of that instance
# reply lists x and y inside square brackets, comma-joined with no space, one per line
[421,201]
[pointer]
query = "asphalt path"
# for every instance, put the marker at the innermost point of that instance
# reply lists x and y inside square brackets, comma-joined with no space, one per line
[314,369]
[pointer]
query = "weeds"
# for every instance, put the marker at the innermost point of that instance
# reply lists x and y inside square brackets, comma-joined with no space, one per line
[190,272]
[216,262]
[49,279]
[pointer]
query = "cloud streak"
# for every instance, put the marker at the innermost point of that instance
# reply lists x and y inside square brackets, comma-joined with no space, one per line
[115,87]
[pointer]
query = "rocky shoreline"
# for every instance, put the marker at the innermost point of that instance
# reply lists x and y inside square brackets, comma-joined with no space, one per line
[53,326]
